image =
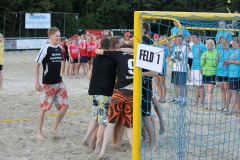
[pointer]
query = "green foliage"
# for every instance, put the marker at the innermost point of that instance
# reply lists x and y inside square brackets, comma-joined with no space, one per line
[96,14]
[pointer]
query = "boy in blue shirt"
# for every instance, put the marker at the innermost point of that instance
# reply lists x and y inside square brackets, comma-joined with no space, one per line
[197,50]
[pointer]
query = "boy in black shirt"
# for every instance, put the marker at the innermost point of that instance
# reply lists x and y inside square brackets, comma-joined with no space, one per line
[53,89]
[100,91]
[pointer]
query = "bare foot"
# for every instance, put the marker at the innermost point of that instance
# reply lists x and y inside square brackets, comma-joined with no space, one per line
[40,136]
[101,156]
[194,104]
[97,150]
[55,133]
[118,147]
[85,143]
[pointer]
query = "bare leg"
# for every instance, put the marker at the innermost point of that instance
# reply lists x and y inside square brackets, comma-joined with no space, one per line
[76,69]
[223,95]
[157,108]
[228,94]
[94,138]
[159,87]
[40,123]
[79,66]
[107,136]
[196,95]
[71,69]
[1,79]
[130,135]
[100,133]
[92,126]
[118,134]
[162,81]
[202,95]
[89,64]
[59,117]
[67,69]
[235,100]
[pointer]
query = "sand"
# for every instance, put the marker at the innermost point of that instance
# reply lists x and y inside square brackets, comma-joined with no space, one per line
[218,134]
[20,105]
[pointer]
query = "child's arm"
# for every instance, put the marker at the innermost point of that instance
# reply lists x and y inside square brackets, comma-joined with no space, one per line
[37,84]
[89,75]
[99,51]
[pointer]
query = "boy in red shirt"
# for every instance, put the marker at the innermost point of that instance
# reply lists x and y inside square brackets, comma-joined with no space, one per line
[74,55]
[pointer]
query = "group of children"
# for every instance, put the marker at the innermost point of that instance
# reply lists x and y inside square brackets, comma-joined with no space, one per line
[78,51]
[207,65]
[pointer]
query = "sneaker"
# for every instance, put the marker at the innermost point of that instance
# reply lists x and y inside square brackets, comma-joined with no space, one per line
[179,100]
[173,100]
[220,109]
[225,110]
[184,102]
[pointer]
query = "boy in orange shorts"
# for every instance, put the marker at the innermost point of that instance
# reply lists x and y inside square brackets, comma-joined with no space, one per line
[53,89]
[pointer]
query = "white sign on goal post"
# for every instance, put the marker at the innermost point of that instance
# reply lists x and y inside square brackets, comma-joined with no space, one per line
[37,20]
[150,57]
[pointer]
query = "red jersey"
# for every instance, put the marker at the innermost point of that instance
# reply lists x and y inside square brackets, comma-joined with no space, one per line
[64,52]
[94,47]
[89,49]
[83,52]
[74,51]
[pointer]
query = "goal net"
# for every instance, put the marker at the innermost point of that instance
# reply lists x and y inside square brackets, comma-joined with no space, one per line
[189,97]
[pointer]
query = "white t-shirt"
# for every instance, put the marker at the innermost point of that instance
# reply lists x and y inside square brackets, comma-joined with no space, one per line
[180,66]
[190,55]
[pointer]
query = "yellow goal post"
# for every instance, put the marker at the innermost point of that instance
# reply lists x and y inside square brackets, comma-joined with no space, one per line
[155,15]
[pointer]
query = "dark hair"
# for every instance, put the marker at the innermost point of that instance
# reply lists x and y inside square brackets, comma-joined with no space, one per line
[105,43]
[197,34]
[145,26]
[114,41]
[62,39]
[68,36]
[126,46]
[180,36]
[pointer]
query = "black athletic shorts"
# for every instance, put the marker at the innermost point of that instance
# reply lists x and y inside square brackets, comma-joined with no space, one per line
[74,61]
[209,79]
[179,78]
[222,79]
[1,67]
[234,83]
[84,59]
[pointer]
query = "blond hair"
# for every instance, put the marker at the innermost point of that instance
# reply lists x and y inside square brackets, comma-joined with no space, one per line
[212,42]
[2,37]
[52,31]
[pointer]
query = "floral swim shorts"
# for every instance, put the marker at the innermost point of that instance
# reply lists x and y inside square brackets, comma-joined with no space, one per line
[54,93]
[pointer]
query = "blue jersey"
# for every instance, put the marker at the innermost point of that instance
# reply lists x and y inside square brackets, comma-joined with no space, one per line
[166,51]
[234,69]
[183,32]
[197,51]
[225,34]
[222,70]
[173,48]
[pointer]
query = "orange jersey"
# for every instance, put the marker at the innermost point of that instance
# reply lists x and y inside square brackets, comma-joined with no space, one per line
[83,52]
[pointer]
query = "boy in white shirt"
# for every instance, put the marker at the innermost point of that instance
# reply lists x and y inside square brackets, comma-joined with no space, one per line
[180,69]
